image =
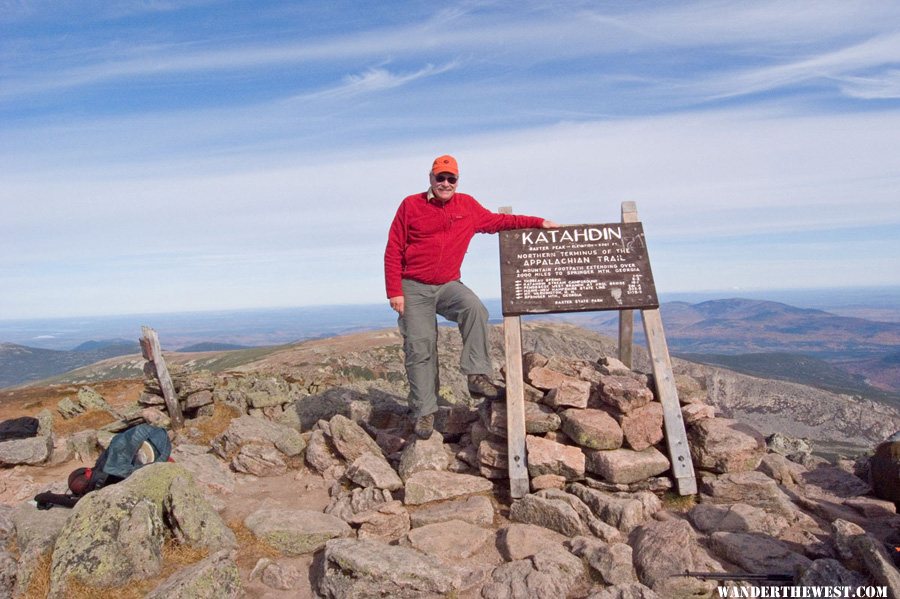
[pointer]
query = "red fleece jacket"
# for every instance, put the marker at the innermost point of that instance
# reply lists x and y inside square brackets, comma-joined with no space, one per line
[428,240]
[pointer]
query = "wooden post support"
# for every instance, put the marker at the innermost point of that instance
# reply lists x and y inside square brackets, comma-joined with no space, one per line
[676,437]
[152,352]
[519,483]
[626,317]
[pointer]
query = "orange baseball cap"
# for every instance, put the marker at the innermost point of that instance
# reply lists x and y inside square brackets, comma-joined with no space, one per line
[445,164]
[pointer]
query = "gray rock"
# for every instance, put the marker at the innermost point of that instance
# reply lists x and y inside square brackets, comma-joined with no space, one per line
[828,572]
[721,445]
[8,572]
[665,548]
[626,466]
[431,485]
[552,572]
[84,445]
[30,451]
[90,400]
[451,540]
[259,460]
[549,457]
[347,504]
[208,471]
[385,522]
[423,454]
[594,429]
[753,488]
[869,553]
[477,510]
[247,429]
[359,569]
[612,561]
[295,532]
[68,408]
[518,541]
[594,524]
[199,399]
[320,453]
[739,517]
[757,554]
[623,513]
[283,577]
[215,577]
[554,514]
[349,438]
[115,535]
[192,519]
[634,590]
[35,532]
[370,470]
[624,393]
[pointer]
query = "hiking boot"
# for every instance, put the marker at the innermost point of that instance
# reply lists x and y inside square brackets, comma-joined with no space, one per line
[481,386]
[424,426]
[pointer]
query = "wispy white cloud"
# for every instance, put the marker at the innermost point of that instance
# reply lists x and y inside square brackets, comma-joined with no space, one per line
[377,79]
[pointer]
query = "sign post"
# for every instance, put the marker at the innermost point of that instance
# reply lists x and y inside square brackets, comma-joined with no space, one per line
[580,268]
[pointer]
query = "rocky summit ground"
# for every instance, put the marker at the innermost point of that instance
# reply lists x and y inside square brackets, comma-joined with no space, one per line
[297,475]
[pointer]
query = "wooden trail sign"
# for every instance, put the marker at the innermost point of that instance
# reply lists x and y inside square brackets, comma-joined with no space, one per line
[585,268]
[157,366]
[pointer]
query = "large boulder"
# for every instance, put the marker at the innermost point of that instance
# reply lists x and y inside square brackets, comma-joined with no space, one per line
[115,535]
[552,513]
[884,470]
[249,430]
[30,451]
[722,445]
[370,470]
[664,549]
[519,540]
[451,540]
[350,440]
[756,553]
[361,568]
[423,454]
[552,572]
[477,510]
[624,393]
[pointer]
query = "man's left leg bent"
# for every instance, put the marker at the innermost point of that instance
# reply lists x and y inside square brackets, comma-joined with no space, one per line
[459,304]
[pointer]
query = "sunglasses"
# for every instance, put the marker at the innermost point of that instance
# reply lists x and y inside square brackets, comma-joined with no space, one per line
[448,178]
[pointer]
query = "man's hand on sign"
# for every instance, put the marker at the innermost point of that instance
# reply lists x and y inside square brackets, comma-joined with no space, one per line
[549,224]
[397,304]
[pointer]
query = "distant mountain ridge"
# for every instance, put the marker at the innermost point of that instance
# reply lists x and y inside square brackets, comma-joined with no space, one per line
[20,364]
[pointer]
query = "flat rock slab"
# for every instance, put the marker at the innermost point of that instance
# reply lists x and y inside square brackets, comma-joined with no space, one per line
[477,510]
[296,532]
[433,485]
[452,540]
[365,568]
[757,554]
[519,540]
[626,466]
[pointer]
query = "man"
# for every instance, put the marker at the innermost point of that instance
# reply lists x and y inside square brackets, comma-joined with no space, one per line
[426,245]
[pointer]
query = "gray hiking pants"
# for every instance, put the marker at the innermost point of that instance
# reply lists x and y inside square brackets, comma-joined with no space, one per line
[418,325]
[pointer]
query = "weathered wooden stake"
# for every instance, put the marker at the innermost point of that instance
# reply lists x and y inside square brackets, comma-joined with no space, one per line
[519,484]
[626,317]
[152,352]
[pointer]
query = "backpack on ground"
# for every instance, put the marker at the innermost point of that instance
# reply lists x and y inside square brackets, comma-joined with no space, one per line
[129,450]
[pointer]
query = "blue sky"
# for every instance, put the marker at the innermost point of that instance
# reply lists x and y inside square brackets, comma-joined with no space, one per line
[165,155]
